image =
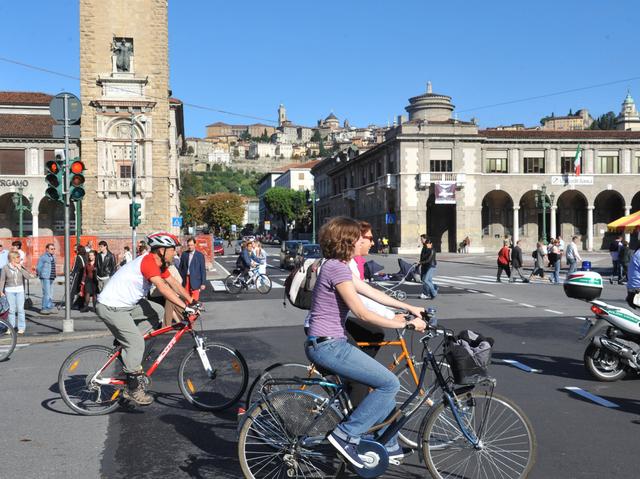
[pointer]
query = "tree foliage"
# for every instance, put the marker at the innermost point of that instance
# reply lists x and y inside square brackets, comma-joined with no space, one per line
[287,205]
[223,210]
[604,122]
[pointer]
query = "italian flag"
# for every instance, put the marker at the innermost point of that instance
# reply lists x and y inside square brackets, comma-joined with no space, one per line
[576,161]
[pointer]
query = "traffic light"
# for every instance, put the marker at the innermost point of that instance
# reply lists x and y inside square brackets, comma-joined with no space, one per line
[76,182]
[54,170]
[134,214]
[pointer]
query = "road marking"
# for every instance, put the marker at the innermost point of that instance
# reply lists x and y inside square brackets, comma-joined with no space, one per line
[217,285]
[473,291]
[554,311]
[591,397]
[581,318]
[219,265]
[520,365]
[490,295]
[526,305]
[507,299]
[458,288]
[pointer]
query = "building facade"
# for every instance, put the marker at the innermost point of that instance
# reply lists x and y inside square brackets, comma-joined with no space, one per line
[26,144]
[128,119]
[436,175]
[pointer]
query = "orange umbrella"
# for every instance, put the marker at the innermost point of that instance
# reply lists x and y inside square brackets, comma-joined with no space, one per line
[628,223]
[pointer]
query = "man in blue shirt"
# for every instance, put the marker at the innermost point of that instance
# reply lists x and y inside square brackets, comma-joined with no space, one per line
[633,282]
[4,257]
[46,270]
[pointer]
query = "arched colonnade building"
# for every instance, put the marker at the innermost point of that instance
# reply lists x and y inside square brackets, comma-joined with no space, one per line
[449,179]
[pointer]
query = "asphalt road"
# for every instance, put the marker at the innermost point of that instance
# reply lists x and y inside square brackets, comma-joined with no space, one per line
[534,324]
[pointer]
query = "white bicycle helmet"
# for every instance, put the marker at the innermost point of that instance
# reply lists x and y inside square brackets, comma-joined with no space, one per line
[162,239]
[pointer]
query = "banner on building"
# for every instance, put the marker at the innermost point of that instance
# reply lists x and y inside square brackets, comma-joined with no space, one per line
[445,192]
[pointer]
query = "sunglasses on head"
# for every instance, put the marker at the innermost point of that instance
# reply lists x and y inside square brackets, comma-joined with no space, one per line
[370,238]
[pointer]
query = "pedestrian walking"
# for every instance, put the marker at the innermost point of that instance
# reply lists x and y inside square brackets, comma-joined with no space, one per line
[105,265]
[555,257]
[12,277]
[626,253]
[77,273]
[4,256]
[46,271]
[614,252]
[428,265]
[633,280]
[192,270]
[504,258]
[126,256]
[538,255]
[17,247]
[572,256]
[261,257]
[516,263]
[89,285]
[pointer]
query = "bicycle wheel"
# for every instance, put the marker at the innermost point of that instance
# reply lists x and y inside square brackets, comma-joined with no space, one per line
[507,445]
[268,443]
[263,283]
[283,371]
[233,284]
[8,340]
[217,385]
[80,390]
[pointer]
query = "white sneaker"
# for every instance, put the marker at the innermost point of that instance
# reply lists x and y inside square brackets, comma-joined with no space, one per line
[20,331]
[424,296]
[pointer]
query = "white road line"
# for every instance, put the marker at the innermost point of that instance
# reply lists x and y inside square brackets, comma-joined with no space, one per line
[490,295]
[219,265]
[217,285]
[507,299]
[554,311]
[473,291]
[581,318]
[526,305]
[445,280]
[456,287]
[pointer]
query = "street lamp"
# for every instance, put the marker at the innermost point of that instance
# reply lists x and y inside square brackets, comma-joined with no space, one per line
[21,208]
[543,202]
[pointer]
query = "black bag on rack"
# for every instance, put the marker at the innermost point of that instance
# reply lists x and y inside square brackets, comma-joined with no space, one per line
[469,355]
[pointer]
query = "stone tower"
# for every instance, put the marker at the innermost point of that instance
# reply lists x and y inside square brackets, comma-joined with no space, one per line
[282,115]
[628,119]
[124,70]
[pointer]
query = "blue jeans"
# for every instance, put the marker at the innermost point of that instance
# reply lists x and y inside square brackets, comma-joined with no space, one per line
[47,286]
[348,361]
[556,271]
[428,288]
[16,306]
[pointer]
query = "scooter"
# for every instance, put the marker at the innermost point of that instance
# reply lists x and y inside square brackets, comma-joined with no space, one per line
[614,342]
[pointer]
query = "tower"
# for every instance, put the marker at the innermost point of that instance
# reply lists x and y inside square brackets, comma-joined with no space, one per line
[628,119]
[124,70]
[282,115]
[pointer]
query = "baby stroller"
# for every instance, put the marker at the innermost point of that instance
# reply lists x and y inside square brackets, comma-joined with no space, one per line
[408,272]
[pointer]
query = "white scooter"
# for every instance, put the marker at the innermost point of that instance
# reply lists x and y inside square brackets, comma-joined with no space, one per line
[614,342]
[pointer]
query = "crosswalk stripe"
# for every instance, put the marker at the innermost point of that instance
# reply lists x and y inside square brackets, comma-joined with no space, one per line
[218,285]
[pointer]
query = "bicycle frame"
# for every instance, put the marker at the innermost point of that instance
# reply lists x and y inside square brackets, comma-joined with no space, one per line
[181,328]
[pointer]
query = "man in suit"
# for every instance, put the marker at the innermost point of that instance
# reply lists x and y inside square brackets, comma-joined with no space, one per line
[192,269]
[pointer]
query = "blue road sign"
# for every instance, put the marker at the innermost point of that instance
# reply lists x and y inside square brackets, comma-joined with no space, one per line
[176,221]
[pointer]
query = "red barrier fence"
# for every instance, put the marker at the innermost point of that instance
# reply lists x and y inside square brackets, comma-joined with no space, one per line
[34,247]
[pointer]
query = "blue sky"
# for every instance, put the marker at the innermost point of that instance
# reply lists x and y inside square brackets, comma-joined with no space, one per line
[360,59]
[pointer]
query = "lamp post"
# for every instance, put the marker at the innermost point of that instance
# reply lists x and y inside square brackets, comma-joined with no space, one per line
[313,216]
[543,203]
[21,208]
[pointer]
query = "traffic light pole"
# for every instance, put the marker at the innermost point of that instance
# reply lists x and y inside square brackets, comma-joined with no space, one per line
[313,216]
[134,249]
[67,322]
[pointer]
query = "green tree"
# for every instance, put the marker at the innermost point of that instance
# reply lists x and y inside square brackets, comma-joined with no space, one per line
[245,135]
[316,136]
[604,122]
[265,138]
[287,205]
[223,210]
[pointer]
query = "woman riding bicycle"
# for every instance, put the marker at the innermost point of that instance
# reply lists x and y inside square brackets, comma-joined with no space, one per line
[333,296]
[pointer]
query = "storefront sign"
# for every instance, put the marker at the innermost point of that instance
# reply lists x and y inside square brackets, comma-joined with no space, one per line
[14,182]
[572,180]
[445,192]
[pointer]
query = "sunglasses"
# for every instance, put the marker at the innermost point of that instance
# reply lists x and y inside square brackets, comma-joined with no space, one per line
[370,238]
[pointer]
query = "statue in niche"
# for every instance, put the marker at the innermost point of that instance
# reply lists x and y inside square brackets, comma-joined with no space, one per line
[123,50]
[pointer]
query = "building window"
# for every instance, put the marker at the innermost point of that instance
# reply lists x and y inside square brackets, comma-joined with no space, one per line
[441,165]
[566,165]
[534,165]
[496,165]
[12,162]
[608,164]
[301,176]
[125,171]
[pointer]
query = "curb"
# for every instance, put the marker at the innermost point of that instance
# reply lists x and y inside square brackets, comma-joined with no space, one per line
[59,337]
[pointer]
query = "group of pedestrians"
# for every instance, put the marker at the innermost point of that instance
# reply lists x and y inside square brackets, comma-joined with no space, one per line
[621,255]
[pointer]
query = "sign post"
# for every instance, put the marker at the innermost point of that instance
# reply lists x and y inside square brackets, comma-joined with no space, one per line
[66,108]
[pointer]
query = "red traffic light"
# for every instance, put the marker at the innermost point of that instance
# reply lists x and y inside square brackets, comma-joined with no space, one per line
[77,167]
[53,167]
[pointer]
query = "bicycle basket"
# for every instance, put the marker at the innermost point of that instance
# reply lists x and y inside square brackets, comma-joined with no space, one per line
[299,409]
[468,363]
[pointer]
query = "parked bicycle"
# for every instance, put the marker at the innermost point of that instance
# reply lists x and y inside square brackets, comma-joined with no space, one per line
[212,376]
[235,283]
[404,364]
[8,339]
[471,432]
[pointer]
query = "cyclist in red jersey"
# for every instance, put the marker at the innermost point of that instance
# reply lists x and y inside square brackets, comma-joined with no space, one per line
[122,304]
